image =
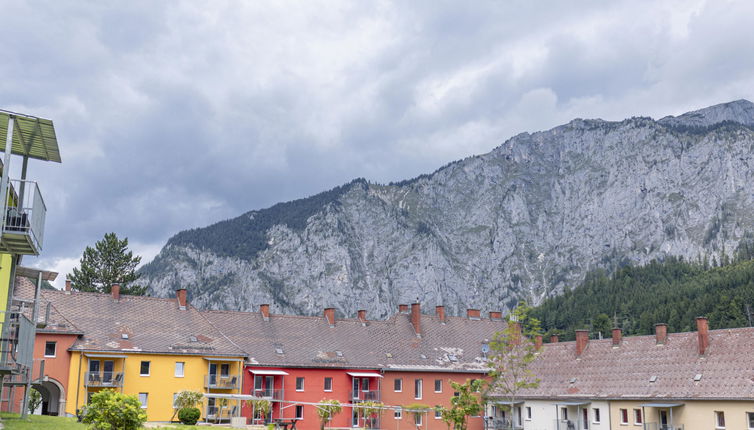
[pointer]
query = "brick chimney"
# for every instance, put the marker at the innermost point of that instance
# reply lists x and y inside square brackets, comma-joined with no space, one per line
[416,318]
[554,338]
[661,333]
[617,337]
[403,309]
[440,311]
[582,340]
[68,286]
[264,309]
[362,315]
[180,294]
[474,314]
[496,316]
[538,342]
[115,290]
[330,316]
[702,326]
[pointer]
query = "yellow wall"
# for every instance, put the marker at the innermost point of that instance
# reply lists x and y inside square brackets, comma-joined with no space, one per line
[5,271]
[160,385]
[693,415]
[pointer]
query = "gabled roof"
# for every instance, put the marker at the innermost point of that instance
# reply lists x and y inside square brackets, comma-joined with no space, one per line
[24,288]
[626,372]
[454,345]
[150,325]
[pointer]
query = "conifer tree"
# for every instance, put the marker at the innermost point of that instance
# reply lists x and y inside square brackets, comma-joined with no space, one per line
[107,263]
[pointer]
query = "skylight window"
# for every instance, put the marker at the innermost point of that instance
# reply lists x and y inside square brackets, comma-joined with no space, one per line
[193,339]
[279,350]
[573,380]
[452,357]
[124,335]
[423,356]
[698,377]
[339,353]
[653,378]
[389,355]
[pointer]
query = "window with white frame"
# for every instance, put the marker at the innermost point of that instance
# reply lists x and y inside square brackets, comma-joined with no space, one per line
[328,383]
[438,412]
[179,366]
[719,419]
[144,368]
[398,385]
[143,397]
[596,415]
[417,389]
[438,385]
[299,412]
[50,348]
[637,417]
[528,413]
[750,420]
[564,414]
[398,414]
[418,419]
[624,416]
[224,370]
[299,383]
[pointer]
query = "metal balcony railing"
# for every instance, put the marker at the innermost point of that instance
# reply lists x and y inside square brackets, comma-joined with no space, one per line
[502,424]
[268,393]
[658,426]
[24,213]
[566,425]
[16,344]
[220,382]
[103,379]
[363,396]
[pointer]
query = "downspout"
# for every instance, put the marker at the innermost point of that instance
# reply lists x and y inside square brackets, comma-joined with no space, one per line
[78,382]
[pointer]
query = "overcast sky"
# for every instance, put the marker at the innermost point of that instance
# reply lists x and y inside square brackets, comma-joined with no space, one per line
[173,115]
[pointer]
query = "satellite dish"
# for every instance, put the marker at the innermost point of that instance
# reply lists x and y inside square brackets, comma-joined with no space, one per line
[485,348]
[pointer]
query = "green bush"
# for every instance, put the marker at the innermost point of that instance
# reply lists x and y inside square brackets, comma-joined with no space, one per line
[110,410]
[189,416]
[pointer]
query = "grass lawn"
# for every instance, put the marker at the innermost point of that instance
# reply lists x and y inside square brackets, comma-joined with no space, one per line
[42,422]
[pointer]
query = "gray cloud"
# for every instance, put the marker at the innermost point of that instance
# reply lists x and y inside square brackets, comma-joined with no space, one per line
[175,115]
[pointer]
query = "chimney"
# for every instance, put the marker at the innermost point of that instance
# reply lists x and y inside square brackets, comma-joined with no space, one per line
[702,326]
[264,309]
[496,316]
[68,286]
[115,290]
[403,309]
[330,315]
[474,314]
[582,339]
[661,333]
[440,311]
[538,342]
[553,338]
[617,337]
[416,318]
[362,314]
[180,294]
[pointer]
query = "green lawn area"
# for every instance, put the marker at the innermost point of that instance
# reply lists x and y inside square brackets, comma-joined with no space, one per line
[41,422]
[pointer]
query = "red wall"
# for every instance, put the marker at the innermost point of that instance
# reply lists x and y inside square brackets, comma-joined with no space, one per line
[314,380]
[429,397]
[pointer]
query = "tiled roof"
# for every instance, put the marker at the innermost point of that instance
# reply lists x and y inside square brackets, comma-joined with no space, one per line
[152,325]
[390,344]
[24,288]
[625,372]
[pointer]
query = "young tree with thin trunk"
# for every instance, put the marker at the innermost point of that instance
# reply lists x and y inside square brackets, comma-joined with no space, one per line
[467,403]
[326,410]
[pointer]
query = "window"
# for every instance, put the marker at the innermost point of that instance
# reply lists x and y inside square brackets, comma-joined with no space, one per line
[438,385]
[144,370]
[224,370]
[564,414]
[398,413]
[398,385]
[596,414]
[328,384]
[300,411]
[417,389]
[299,384]
[143,399]
[179,369]
[585,418]
[175,397]
[624,416]
[528,413]
[719,419]
[418,419]
[637,416]
[50,348]
[750,417]
[518,414]
[438,413]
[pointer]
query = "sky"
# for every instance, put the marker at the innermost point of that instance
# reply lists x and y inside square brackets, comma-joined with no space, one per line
[176,115]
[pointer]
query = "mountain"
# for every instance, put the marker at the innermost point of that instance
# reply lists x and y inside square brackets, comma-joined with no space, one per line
[527,219]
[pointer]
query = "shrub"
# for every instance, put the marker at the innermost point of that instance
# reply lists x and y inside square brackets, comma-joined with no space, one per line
[110,410]
[189,416]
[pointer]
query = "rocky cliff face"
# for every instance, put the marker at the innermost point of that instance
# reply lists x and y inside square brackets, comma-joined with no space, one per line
[523,221]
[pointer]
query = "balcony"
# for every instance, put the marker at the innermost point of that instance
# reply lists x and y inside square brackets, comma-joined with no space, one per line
[268,393]
[218,382]
[502,424]
[364,396]
[658,426]
[567,425]
[16,344]
[24,215]
[103,379]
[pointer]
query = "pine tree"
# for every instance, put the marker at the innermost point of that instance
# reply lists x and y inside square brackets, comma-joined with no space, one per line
[107,263]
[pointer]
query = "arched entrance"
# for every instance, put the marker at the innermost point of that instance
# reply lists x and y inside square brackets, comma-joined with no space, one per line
[53,396]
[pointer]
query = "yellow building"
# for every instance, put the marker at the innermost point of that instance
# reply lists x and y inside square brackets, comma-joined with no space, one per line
[147,347]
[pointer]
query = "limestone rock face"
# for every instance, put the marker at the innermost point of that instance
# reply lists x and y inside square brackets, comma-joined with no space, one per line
[524,221]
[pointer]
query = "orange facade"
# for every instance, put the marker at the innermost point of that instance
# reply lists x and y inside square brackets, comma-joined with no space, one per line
[427,388]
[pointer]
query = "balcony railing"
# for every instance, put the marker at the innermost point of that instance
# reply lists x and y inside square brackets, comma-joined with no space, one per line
[363,396]
[567,425]
[24,212]
[502,424]
[16,344]
[268,393]
[214,381]
[658,426]
[103,379]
